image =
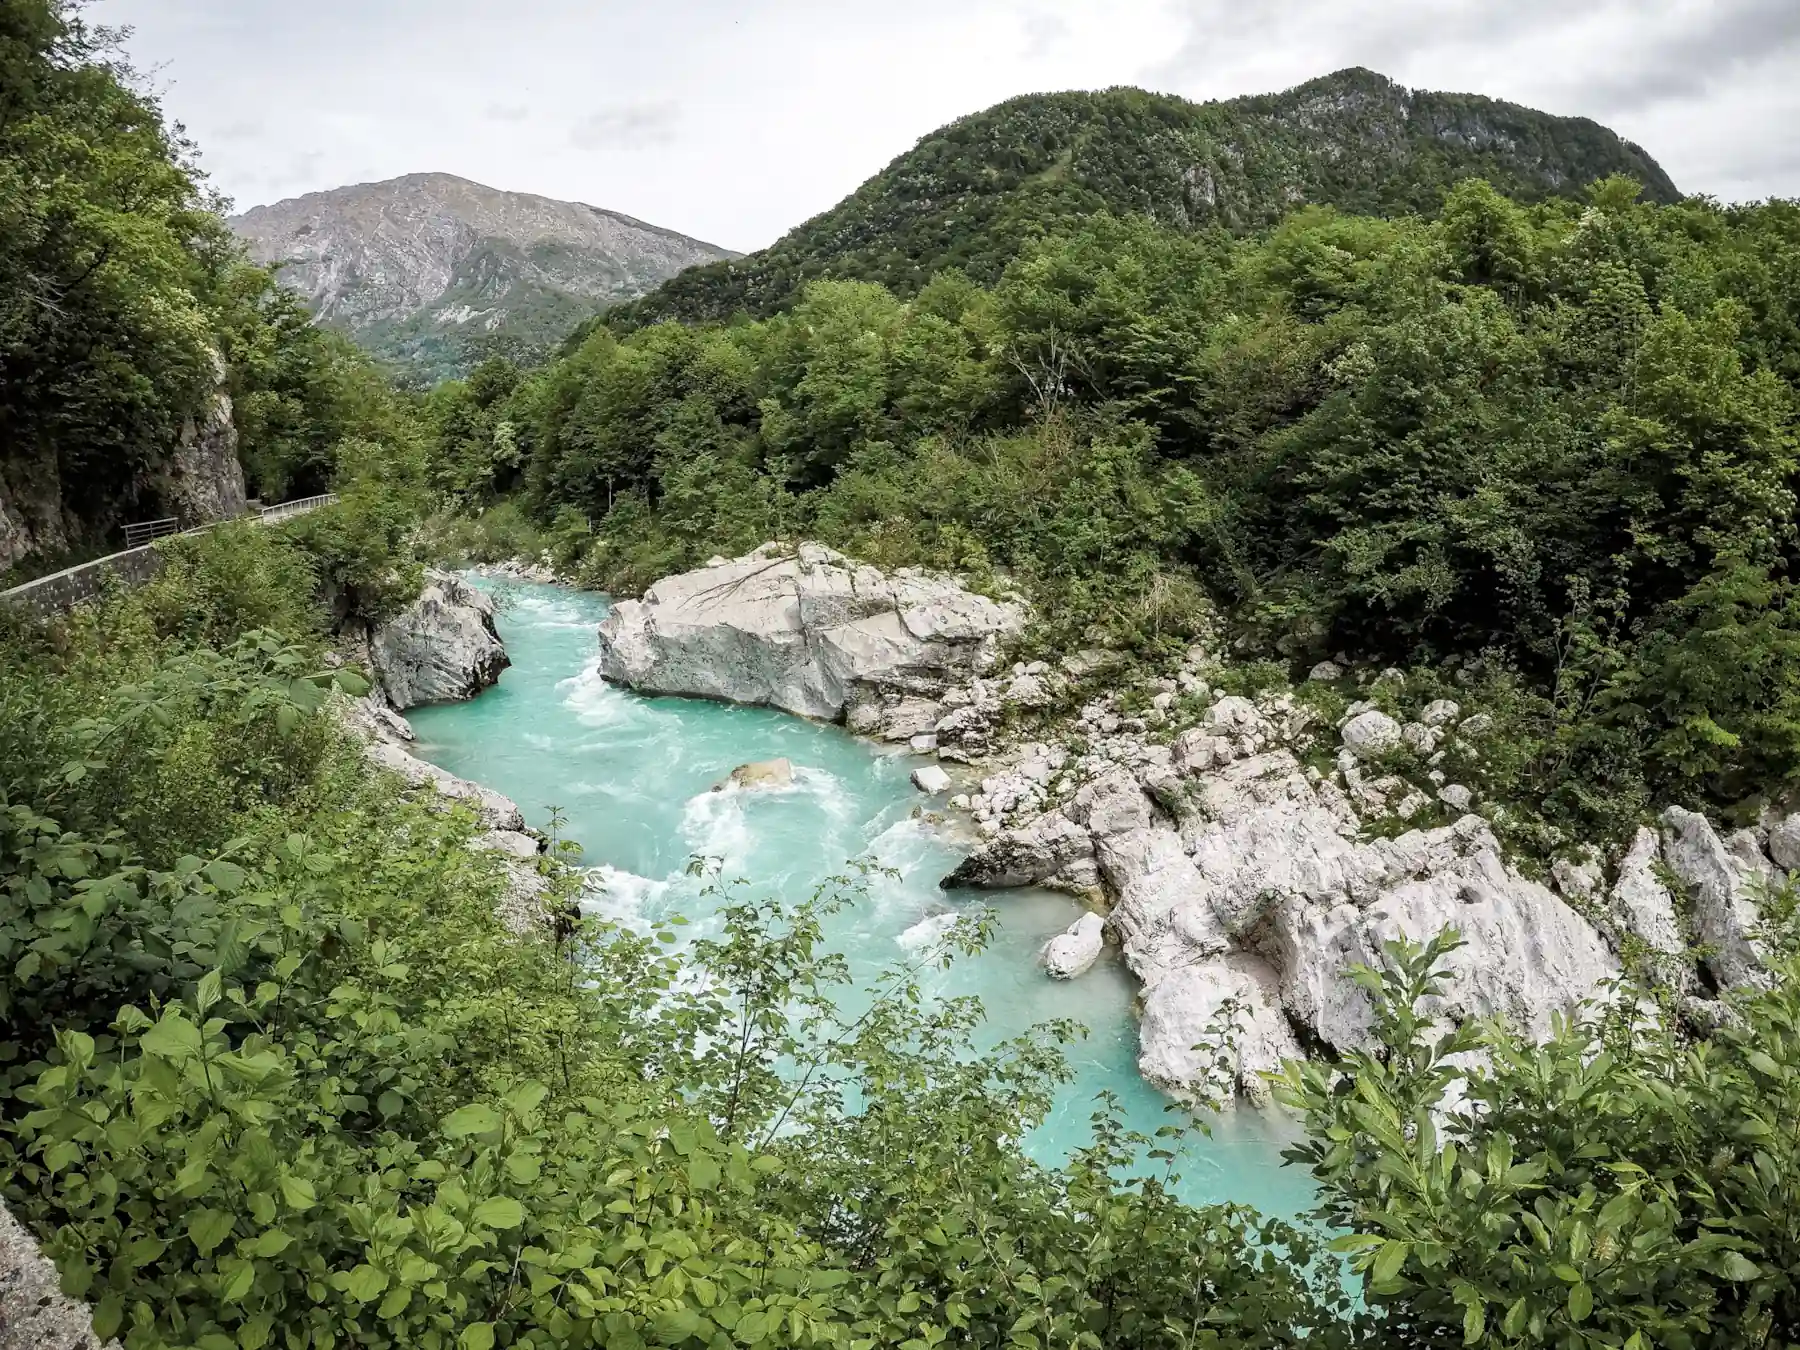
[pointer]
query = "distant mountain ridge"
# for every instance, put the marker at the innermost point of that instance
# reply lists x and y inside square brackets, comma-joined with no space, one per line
[970,194]
[432,271]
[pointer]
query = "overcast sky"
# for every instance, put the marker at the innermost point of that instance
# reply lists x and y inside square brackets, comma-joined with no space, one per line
[733,120]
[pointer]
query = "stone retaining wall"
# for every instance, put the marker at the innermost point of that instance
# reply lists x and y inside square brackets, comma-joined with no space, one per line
[65,589]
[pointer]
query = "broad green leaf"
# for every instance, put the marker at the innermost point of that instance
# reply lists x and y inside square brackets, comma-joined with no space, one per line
[703,1172]
[270,1242]
[227,876]
[365,1284]
[1388,1262]
[1581,1302]
[1736,1266]
[500,1211]
[1474,1323]
[237,1283]
[298,1192]
[476,1118]
[174,1038]
[207,1228]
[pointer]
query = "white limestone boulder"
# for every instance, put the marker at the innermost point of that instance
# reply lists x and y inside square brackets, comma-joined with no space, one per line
[1371,734]
[1072,953]
[1191,1042]
[801,630]
[1440,713]
[442,648]
[1643,901]
[1526,955]
[1722,890]
[1784,842]
[931,779]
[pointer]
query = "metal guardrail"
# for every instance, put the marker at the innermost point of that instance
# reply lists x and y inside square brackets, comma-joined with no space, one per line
[299,506]
[136,536]
[138,563]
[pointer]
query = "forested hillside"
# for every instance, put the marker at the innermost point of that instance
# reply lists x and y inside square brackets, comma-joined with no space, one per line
[971,194]
[1558,440]
[127,310]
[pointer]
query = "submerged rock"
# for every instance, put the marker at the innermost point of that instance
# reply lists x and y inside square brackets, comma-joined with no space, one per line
[442,648]
[763,773]
[801,631]
[1072,953]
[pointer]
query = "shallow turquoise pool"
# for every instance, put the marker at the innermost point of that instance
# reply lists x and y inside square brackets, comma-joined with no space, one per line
[633,776]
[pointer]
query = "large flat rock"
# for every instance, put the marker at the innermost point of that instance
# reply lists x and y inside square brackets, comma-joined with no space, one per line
[800,631]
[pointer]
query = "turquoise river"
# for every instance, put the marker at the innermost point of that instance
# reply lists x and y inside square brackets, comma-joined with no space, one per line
[633,776]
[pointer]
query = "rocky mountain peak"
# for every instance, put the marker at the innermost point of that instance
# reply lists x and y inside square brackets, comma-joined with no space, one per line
[430,269]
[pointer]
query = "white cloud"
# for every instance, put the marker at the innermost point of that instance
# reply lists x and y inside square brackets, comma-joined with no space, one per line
[747,116]
[631,126]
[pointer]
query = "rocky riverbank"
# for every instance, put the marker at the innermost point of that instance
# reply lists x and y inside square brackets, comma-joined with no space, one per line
[444,647]
[1245,852]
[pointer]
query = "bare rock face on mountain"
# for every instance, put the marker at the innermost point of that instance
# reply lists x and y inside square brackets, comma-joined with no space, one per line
[802,631]
[415,266]
[441,648]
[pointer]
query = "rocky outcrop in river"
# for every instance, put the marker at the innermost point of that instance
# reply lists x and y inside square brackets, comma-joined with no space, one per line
[806,630]
[1240,880]
[386,736]
[442,648]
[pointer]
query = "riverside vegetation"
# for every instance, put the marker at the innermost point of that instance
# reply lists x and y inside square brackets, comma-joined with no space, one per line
[272,1072]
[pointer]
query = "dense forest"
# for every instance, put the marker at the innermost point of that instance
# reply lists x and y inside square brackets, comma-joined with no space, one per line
[273,1072]
[972,194]
[1558,440]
